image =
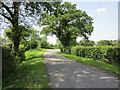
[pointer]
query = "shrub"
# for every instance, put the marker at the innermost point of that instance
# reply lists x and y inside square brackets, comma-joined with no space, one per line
[107,54]
[66,50]
[8,61]
[21,56]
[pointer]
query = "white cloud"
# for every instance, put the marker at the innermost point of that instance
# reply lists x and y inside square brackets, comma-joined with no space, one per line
[101,10]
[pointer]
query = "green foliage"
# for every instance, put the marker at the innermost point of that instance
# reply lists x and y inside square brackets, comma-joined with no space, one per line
[33,54]
[45,44]
[105,43]
[106,53]
[112,68]
[30,73]
[51,46]
[58,44]
[33,44]
[27,11]
[67,23]
[66,50]
[115,42]
[86,43]
[23,32]
[8,62]
[28,39]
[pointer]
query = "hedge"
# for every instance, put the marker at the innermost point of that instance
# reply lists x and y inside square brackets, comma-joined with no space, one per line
[107,54]
[8,62]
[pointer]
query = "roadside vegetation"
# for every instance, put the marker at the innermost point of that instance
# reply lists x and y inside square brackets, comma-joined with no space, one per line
[104,54]
[114,68]
[31,73]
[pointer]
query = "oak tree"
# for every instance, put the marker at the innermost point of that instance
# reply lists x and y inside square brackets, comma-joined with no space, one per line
[67,23]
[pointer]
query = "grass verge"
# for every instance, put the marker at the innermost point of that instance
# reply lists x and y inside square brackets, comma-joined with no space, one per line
[31,73]
[99,64]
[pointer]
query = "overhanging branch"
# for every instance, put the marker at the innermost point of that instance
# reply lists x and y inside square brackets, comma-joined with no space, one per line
[7,8]
[6,17]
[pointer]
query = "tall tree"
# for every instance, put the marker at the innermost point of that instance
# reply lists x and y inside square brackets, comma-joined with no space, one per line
[17,12]
[12,16]
[67,23]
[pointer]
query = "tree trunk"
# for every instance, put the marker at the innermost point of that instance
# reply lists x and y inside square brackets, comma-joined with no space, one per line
[15,18]
[67,49]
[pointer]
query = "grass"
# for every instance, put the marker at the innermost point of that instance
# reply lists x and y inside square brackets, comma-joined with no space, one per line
[31,73]
[99,64]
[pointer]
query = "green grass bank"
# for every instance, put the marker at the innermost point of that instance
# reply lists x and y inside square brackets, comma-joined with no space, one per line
[108,67]
[31,73]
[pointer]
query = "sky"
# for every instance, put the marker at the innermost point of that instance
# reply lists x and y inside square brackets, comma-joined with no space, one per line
[105,18]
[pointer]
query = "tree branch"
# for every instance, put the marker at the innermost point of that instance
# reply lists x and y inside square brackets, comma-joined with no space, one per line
[7,8]
[6,17]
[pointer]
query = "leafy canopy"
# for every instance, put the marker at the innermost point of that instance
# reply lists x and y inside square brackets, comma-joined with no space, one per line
[67,23]
[22,13]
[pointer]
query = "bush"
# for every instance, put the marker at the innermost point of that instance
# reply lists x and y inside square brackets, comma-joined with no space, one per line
[8,62]
[66,50]
[107,54]
[21,55]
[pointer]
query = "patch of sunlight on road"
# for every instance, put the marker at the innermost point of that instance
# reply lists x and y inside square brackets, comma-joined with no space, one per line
[85,72]
[56,63]
[107,77]
[60,80]
[80,76]
[54,59]
[61,75]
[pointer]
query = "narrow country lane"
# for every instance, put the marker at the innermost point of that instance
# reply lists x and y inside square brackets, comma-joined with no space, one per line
[65,73]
